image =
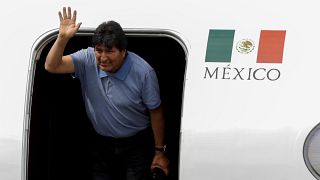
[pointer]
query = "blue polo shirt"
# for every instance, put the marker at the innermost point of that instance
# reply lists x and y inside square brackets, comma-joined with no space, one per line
[117,104]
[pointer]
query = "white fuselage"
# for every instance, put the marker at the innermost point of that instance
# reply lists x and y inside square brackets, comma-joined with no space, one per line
[240,119]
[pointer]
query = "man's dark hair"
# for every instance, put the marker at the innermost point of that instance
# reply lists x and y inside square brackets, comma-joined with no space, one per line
[110,34]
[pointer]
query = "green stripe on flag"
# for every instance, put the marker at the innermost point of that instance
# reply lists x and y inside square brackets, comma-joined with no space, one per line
[219,47]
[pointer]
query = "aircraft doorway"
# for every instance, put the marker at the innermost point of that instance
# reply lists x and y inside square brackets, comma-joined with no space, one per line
[59,131]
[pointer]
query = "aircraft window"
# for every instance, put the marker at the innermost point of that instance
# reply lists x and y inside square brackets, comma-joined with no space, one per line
[58,137]
[312,151]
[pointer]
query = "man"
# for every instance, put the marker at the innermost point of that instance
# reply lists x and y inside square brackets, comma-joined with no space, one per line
[122,100]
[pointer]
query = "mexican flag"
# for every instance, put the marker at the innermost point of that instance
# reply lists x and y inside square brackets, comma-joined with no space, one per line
[267,46]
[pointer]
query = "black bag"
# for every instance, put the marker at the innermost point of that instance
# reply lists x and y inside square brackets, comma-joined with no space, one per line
[158,174]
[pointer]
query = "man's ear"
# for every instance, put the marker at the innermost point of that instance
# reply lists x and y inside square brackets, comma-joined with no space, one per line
[124,53]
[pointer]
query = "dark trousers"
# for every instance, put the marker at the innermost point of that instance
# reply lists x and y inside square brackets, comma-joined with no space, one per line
[122,158]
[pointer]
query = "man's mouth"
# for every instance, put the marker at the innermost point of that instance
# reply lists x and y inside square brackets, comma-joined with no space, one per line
[105,64]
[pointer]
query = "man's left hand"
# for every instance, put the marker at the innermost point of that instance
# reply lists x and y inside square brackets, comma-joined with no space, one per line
[161,161]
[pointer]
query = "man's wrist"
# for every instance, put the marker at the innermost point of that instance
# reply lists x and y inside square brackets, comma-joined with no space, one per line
[161,148]
[63,39]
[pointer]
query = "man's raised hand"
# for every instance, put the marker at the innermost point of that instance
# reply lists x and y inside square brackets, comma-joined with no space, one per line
[68,26]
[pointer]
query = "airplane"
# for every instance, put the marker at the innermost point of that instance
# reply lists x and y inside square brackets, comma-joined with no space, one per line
[238,80]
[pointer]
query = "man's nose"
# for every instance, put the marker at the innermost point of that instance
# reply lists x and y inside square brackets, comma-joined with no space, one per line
[104,56]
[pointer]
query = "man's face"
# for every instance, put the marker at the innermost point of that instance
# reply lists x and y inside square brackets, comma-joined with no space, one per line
[109,60]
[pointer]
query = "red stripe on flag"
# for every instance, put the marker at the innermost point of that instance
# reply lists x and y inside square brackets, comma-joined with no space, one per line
[271,45]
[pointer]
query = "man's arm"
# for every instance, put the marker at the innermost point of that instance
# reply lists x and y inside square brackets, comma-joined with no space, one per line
[157,123]
[55,61]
